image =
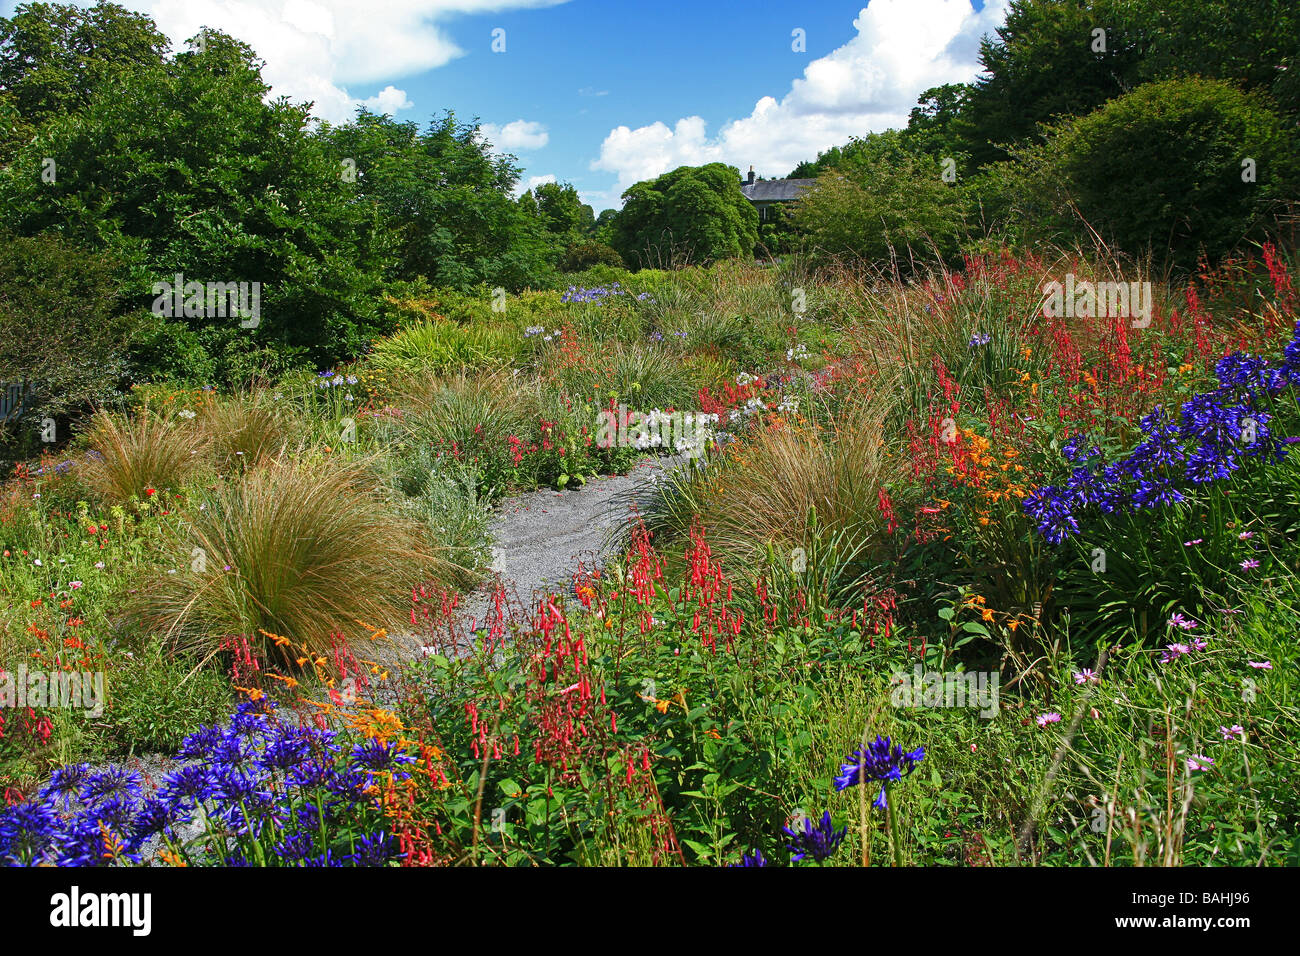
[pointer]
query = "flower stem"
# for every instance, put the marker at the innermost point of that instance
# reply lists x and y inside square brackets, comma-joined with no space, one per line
[894,839]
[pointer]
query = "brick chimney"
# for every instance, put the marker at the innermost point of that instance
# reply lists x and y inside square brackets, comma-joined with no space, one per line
[751,175]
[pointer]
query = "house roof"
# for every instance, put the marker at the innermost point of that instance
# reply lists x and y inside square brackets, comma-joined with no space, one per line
[775,190]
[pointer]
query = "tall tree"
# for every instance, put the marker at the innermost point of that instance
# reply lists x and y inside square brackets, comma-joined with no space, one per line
[694,214]
[55,57]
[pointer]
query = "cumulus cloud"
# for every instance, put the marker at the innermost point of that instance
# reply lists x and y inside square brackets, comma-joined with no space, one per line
[902,48]
[315,49]
[532,183]
[521,134]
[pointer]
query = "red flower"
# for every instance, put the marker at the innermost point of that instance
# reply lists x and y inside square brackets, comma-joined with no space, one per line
[149,492]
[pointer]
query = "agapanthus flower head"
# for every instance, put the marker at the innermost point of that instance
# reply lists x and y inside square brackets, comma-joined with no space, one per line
[110,782]
[751,859]
[881,761]
[819,841]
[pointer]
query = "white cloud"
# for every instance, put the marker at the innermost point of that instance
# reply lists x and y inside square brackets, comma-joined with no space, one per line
[871,83]
[532,183]
[520,134]
[315,48]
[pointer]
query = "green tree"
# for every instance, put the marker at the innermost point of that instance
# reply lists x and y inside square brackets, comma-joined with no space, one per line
[55,58]
[694,214]
[445,200]
[189,170]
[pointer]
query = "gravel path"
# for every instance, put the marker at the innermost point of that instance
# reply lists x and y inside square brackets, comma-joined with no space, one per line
[539,538]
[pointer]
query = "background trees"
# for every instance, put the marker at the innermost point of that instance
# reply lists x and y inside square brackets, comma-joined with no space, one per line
[694,214]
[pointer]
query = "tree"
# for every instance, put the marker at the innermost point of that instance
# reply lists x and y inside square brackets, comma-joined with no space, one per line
[1047,63]
[930,126]
[189,170]
[694,214]
[445,200]
[55,58]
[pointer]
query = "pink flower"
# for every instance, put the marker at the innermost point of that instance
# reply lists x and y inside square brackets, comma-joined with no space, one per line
[1260,665]
[1049,718]
[1200,762]
[1246,535]
[74,585]
[1175,651]
[1185,623]
[1231,733]
[1248,564]
[1086,676]
[1188,544]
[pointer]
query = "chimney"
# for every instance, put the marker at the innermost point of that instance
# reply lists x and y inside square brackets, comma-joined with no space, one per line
[751,175]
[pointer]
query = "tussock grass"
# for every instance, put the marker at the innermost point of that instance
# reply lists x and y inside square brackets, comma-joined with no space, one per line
[298,552]
[244,430]
[131,454]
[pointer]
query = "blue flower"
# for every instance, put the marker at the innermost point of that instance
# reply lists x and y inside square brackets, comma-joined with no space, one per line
[752,859]
[881,761]
[820,841]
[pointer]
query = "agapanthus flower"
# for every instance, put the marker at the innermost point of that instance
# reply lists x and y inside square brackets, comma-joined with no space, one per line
[751,859]
[376,849]
[819,841]
[376,755]
[185,788]
[881,761]
[110,782]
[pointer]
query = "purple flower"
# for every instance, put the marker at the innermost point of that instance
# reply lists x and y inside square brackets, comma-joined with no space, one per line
[820,841]
[881,761]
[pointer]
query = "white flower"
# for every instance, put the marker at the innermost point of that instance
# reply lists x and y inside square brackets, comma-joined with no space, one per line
[744,378]
[337,380]
[75,585]
[186,413]
[100,565]
[37,562]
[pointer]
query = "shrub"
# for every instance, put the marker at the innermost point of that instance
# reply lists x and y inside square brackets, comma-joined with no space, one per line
[884,213]
[1162,168]
[296,551]
[443,346]
[63,330]
[156,699]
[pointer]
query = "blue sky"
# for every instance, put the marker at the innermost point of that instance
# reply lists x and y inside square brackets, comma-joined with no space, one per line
[603,93]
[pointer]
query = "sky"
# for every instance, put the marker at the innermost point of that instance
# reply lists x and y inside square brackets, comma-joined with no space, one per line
[605,93]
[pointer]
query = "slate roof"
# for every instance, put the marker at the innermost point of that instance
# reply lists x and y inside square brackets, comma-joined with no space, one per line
[775,190]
